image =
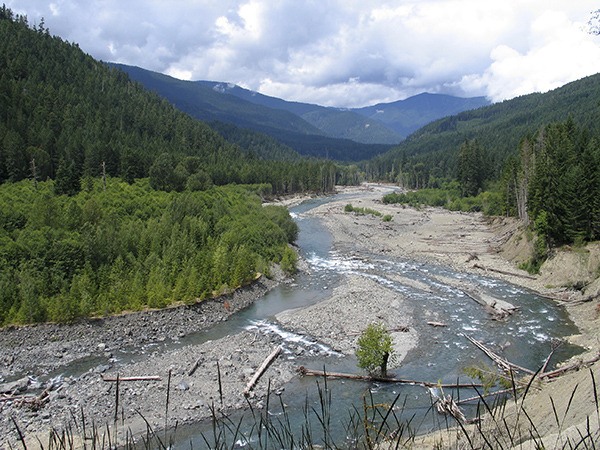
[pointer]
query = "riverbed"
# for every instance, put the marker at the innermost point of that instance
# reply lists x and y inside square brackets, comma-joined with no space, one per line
[407,273]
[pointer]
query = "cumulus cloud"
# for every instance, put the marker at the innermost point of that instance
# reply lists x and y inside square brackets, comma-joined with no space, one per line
[560,51]
[340,52]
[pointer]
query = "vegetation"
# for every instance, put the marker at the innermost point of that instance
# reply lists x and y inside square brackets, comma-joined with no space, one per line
[553,184]
[373,425]
[129,247]
[362,211]
[375,349]
[449,196]
[111,199]
[431,153]
[207,101]
[66,116]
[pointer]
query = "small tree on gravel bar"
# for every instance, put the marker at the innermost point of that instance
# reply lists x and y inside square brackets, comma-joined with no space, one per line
[375,349]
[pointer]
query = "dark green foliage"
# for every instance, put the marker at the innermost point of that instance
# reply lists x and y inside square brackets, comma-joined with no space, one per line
[498,128]
[66,116]
[564,188]
[361,211]
[472,171]
[129,247]
[449,196]
[212,103]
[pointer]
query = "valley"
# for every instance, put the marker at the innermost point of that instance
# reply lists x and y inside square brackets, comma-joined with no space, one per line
[325,316]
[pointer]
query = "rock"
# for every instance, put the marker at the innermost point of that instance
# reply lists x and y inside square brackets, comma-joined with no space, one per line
[183,386]
[13,387]
[102,368]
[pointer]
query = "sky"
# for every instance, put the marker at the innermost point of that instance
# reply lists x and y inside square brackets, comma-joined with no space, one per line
[343,53]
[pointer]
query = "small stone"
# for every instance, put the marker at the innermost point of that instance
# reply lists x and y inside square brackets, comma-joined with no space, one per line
[183,386]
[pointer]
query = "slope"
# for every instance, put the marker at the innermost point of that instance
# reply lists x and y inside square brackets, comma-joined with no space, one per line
[207,101]
[498,128]
[407,116]
[66,116]
[333,122]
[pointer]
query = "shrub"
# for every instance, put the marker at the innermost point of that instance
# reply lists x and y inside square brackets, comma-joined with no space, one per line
[375,349]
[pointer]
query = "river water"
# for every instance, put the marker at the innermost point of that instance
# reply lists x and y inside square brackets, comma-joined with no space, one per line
[441,355]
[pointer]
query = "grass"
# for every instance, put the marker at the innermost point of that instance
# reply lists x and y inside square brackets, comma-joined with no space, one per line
[497,424]
[367,211]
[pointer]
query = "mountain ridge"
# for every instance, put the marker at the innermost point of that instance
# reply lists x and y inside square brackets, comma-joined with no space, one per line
[333,129]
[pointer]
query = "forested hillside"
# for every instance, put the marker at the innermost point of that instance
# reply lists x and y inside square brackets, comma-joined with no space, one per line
[431,152]
[128,246]
[209,101]
[333,122]
[65,115]
[112,200]
[408,115]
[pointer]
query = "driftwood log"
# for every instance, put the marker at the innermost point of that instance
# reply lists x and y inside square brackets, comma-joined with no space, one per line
[349,376]
[503,272]
[498,309]
[575,366]
[503,363]
[263,367]
[34,402]
[119,379]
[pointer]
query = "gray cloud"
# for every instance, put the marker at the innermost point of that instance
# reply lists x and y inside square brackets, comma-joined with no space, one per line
[340,52]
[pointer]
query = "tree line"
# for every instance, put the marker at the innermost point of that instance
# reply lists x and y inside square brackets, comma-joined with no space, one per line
[551,182]
[66,116]
[128,246]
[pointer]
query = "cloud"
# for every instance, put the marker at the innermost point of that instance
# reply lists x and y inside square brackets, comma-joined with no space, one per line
[560,51]
[339,52]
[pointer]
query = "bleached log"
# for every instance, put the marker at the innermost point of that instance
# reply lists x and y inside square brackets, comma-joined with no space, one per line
[144,378]
[575,366]
[503,272]
[263,367]
[504,364]
[350,376]
[496,307]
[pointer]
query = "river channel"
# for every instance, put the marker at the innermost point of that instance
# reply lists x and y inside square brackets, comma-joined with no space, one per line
[441,354]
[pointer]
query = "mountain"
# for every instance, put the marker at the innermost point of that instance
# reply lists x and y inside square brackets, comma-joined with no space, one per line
[383,123]
[407,116]
[203,102]
[66,116]
[497,128]
[212,102]
[333,122]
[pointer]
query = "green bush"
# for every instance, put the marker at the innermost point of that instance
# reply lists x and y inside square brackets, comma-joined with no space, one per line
[375,350]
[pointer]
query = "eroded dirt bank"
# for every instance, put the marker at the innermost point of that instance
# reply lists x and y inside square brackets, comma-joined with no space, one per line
[466,242]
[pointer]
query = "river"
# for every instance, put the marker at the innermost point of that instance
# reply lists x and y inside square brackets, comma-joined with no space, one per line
[525,339]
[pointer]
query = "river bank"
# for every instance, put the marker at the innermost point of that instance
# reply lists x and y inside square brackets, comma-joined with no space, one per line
[471,243]
[454,239]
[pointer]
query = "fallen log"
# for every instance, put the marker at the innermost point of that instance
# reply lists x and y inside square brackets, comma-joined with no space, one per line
[503,363]
[503,272]
[497,308]
[119,379]
[33,401]
[482,396]
[400,329]
[266,363]
[447,405]
[575,366]
[437,324]
[194,367]
[350,376]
